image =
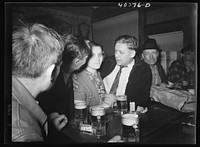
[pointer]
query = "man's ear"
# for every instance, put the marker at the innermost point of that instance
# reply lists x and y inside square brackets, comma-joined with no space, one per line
[50,69]
[76,62]
[142,55]
[133,53]
[158,53]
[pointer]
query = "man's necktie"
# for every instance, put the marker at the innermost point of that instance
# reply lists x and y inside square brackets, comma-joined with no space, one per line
[116,81]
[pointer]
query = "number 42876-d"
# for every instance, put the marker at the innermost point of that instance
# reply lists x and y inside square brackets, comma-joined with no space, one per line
[135,5]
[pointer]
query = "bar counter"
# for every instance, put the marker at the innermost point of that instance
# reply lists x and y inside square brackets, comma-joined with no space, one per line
[158,121]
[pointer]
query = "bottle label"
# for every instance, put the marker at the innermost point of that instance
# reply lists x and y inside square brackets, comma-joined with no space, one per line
[132,106]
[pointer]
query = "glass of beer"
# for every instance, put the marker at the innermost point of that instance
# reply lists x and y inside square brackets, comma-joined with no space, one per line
[130,123]
[122,104]
[114,106]
[81,113]
[98,121]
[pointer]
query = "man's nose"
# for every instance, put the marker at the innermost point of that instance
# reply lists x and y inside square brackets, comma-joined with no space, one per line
[116,54]
[151,56]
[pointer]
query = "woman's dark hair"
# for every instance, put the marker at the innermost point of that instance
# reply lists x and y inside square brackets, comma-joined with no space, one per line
[93,44]
[90,44]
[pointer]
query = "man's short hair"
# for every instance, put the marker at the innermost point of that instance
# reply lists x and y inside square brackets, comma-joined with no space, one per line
[130,41]
[75,47]
[35,47]
[188,48]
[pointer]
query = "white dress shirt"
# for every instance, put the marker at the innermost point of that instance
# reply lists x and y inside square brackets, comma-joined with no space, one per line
[123,80]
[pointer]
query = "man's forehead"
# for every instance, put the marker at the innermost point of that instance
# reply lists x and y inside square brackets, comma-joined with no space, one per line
[121,46]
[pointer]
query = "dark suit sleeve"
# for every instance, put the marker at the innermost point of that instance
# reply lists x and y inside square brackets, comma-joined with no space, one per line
[145,86]
[138,89]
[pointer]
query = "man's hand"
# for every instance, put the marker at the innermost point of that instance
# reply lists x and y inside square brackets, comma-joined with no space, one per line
[142,109]
[59,121]
[109,99]
[116,138]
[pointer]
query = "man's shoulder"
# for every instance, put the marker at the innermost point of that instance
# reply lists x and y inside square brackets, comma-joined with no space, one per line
[178,61]
[108,64]
[110,59]
[140,63]
[83,78]
[142,67]
[159,65]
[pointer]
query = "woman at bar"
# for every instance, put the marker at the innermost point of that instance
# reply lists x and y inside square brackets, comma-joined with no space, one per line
[91,88]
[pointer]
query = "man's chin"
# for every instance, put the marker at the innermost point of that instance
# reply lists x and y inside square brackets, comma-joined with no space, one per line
[50,86]
[96,67]
[119,63]
[150,63]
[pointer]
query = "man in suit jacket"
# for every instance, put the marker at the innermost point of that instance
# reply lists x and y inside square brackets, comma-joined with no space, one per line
[60,99]
[150,54]
[135,79]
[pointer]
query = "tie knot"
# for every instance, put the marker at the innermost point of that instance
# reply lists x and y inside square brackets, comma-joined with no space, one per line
[121,66]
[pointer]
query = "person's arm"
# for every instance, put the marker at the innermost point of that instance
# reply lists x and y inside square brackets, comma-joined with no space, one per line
[146,81]
[79,94]
[29,137]
[143,93]
[141,89]
[75,82]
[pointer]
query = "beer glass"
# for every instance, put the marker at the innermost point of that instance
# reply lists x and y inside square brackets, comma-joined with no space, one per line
[122,104]
[130,128]
[98,121]
[114,106]
[81,113]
